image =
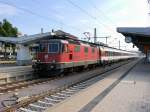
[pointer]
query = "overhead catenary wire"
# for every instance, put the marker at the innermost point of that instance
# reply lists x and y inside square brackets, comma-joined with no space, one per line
[110,29]
[100,11]
[38,15]
[26,10]
[58,12]
[90,15]
[59,22]
[37,2]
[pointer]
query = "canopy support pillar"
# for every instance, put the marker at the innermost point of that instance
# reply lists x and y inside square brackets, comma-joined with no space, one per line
[23,55]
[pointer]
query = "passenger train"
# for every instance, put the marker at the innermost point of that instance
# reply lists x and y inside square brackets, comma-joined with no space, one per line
[63,53]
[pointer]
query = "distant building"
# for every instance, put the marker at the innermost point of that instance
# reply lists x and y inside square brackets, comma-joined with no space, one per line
[9,52]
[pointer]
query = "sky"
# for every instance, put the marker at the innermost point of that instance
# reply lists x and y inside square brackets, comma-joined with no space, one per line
[77,17]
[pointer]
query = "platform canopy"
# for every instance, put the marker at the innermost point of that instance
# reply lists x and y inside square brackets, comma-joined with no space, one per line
[25,39]
[139,36]
[23,42]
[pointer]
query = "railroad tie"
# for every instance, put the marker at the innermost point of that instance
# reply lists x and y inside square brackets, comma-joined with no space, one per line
[59,97]
[26,110]
[37,106]
[50,99]
[68,92]
[65,95]
[47,103]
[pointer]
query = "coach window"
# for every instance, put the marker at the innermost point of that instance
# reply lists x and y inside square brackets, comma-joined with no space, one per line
[77,49]
[105,53]
[117,54]
[110,53]
[86,49]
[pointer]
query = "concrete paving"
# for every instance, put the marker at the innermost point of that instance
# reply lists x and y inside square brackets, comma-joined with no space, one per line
[132,94]
[7,63]
[15,73]
[93,98]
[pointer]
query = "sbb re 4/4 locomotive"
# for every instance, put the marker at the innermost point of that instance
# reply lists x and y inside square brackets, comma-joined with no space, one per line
[66,53]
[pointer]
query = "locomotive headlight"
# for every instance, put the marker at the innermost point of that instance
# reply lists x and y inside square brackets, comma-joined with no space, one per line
[52,66]
[38,60]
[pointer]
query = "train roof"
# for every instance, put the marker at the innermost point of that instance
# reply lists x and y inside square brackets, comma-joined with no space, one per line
[85,43]
[73,39]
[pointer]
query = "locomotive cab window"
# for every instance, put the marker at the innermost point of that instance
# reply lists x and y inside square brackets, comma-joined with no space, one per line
[53,47]
[65,48]
[42,48]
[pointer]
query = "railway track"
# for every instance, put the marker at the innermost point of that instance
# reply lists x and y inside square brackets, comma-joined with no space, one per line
[14,86]
[39,102]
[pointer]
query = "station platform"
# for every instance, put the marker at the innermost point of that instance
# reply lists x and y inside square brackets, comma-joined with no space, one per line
[131,94]
[7,63]
[10,73]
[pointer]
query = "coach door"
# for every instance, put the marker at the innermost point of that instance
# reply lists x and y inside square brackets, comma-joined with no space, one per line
[99,54]
[86,53]
[148,55]
[70,55]
[70,52]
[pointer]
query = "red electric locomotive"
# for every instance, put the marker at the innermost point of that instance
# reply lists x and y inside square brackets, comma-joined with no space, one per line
[64,52]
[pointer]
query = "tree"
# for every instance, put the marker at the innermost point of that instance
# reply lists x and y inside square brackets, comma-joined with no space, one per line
[7,30]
